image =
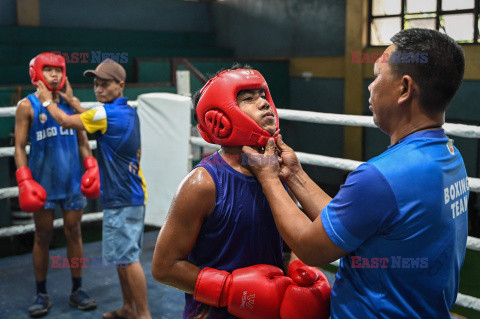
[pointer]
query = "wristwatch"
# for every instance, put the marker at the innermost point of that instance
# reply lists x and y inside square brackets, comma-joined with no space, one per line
[47,103]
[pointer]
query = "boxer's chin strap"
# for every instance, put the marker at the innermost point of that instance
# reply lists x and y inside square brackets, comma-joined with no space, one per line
[262,139]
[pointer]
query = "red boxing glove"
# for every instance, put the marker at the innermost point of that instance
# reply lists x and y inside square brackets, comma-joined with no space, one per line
[252,292]
[309,296]
[31,194]
[91,178]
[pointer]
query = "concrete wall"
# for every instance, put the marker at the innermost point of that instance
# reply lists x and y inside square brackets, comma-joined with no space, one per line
[281,28]
[7,12]
[154,15]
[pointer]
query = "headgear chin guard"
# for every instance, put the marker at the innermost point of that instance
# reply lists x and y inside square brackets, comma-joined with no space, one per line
[220,119]
[47,59]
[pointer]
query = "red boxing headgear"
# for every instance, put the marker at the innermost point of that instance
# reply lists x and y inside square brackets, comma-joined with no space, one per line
[221,121]
[47,59]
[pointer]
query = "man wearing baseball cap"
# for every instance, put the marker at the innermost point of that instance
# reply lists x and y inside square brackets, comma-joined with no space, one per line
[117,130]
[108,70]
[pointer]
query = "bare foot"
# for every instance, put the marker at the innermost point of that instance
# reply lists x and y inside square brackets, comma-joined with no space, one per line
[122,313]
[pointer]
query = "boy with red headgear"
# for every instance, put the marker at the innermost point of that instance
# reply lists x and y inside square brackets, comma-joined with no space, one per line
[52,176]
[219,242]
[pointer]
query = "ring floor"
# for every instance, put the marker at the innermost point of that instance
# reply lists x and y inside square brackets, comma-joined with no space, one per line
[17,285]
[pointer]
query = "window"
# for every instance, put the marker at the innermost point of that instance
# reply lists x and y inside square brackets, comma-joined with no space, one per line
[457,18]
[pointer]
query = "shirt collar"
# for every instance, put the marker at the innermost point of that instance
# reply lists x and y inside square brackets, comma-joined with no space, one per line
[119,101]
[438,133]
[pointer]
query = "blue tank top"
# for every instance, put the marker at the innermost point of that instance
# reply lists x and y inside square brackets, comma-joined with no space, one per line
[54,158]
[240,231]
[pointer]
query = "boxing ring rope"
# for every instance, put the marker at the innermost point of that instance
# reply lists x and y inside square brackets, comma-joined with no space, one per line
[462,130]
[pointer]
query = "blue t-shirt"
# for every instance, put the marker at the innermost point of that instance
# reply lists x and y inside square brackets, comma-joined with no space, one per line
[403,217]
[239,232]
[54,159]
[117,130]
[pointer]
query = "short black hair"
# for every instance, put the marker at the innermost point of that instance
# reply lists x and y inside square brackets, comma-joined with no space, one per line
[196,96]
[442,73]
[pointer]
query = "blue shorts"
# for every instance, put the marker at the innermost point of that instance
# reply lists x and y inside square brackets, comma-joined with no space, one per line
[70,203]
[122,238]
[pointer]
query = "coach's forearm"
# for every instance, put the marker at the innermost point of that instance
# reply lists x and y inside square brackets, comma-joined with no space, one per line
[58,115]
[290,220]
[312,198]
[307,239]
[77,106]
[65,120]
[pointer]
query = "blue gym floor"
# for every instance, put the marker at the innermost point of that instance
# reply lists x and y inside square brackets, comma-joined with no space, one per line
[17,286]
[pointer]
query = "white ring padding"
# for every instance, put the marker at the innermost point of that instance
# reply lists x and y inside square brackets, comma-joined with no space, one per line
[469,131]
[57,223]
[10,151]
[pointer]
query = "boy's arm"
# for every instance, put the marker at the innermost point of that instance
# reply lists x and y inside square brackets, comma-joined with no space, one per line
[23,120]
[194,200]
[83,146]
[31,195]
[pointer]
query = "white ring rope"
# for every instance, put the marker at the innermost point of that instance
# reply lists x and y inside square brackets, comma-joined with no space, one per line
[469,131]
[57,223]
[9,151]
[462,130]
[333,162]
[9,111]
[468,302]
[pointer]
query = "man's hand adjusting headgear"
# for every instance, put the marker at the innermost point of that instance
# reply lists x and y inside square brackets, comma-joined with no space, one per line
[221,121]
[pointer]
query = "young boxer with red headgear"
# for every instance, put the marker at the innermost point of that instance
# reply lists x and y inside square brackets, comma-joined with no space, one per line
[52,176]
[219,242]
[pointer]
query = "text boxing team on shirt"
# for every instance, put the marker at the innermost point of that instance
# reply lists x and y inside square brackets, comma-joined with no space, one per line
[221,242]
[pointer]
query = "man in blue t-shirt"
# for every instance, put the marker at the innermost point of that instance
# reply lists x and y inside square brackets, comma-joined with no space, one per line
[400,220]
[117,129]
[51,176]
